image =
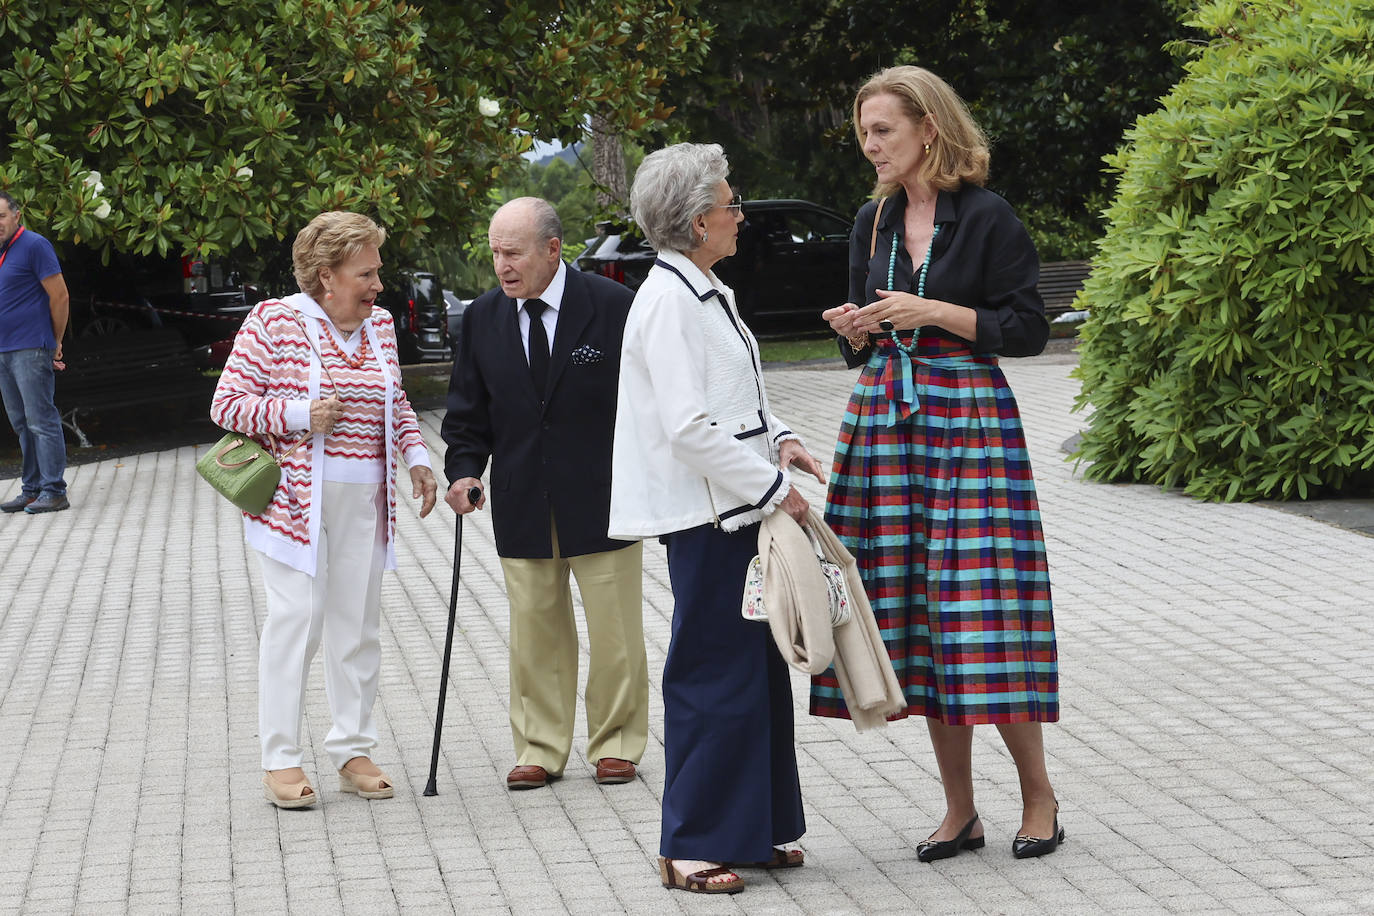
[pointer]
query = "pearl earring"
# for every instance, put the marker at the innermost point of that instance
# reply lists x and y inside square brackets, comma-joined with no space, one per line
[703,236]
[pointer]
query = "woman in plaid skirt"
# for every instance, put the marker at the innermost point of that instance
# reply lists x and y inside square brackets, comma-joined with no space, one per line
[931,487]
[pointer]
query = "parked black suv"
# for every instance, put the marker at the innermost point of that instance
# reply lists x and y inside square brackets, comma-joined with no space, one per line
[791,262]
[204,300]
[415,300]
[456,306]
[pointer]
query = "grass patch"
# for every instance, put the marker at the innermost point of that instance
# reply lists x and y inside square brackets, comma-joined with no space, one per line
[795,351]
[1064,329]
[426,387]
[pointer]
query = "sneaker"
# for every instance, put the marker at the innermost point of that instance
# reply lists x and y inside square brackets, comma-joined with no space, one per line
[17,504]
[48,504]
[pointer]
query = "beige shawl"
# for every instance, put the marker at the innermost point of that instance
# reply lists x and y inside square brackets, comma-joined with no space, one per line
[798,603]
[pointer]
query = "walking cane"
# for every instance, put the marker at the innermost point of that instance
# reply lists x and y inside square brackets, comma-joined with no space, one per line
[474,494]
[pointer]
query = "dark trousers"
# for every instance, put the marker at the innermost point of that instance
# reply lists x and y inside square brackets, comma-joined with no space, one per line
[730,789]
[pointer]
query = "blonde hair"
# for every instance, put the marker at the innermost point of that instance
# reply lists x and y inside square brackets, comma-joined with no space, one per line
[327,241]
[959,151]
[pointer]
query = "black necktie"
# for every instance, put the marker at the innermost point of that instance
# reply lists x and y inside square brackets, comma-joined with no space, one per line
[539,346]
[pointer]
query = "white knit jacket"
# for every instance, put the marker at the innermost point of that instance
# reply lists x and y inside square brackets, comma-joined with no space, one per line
[695,441]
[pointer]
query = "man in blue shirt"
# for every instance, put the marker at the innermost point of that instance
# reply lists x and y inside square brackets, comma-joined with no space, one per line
[33,317]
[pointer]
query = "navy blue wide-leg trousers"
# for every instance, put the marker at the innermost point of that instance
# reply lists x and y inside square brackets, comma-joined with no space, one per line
[730,791]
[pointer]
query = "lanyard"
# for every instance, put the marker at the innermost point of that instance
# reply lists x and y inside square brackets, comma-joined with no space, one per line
[6,253]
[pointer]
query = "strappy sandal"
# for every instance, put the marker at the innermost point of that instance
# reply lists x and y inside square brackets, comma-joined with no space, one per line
[288,794]
[365,785]
[782,858]
[698,882]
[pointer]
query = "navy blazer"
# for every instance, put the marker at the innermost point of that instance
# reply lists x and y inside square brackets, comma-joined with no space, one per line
[554,458]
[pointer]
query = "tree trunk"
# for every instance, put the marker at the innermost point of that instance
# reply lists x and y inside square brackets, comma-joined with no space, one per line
[608,167]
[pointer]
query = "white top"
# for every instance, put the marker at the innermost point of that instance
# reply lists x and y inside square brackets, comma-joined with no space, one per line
[695,442]
[331,467]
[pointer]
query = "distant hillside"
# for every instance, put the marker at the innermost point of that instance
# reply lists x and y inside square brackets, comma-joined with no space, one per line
[568,154]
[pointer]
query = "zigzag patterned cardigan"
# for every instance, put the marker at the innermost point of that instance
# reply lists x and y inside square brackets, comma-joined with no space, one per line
[274,363]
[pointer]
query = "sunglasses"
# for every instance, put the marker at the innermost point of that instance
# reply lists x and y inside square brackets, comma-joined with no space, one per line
[736,203]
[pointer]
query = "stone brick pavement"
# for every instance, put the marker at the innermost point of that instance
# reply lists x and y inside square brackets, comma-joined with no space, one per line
[1214,756]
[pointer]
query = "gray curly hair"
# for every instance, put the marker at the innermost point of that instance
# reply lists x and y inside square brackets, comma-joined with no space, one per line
[674,185]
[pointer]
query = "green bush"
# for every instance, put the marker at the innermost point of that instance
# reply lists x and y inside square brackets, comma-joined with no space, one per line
[182,127]
[1232,336]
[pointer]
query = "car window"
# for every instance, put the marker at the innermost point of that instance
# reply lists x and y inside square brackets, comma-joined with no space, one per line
[425,290]
[818,227]
[632,241]
[772,227]
[798,227]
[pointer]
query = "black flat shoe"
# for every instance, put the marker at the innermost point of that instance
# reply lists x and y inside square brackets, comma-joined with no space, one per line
[1030,847]
[932,850]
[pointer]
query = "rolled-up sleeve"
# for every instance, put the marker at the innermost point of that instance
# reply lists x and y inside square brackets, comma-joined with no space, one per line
[1011,317]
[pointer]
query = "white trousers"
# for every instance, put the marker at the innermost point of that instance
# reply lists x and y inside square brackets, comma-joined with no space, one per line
[340,604]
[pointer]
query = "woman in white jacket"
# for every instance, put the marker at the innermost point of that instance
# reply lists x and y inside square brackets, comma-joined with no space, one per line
[699,460]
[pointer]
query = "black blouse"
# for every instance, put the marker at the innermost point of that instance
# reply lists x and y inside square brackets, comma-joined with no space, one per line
[983,259]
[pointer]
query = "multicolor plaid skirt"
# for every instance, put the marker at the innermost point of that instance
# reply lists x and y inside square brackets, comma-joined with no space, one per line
[931,491]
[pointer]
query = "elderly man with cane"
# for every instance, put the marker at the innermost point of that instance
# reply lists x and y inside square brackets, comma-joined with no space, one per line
[534,392]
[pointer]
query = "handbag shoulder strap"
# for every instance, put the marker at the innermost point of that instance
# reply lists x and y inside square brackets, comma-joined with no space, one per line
[815,543]
[873,239]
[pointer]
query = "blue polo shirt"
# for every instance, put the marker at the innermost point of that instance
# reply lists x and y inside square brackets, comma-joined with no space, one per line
[25,316]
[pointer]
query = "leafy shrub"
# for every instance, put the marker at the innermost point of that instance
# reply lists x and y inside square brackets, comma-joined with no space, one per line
[1232,335]
[207,127]
[1064,236]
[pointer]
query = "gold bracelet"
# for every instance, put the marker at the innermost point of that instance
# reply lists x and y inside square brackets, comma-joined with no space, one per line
[856,347]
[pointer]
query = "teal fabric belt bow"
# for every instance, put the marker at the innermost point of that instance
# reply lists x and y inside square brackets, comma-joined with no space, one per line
[896,378]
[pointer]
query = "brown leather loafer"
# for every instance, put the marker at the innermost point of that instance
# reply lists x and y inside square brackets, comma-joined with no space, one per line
[612,770]
[527,777]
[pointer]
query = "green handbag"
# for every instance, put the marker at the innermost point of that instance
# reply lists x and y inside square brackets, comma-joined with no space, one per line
[243,471]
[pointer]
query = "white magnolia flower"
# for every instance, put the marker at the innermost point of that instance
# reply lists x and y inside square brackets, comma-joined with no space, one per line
[103,210]
[488,108]
[244,172]
[92,181]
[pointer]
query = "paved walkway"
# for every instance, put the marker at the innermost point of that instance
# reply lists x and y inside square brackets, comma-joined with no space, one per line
[1217,666]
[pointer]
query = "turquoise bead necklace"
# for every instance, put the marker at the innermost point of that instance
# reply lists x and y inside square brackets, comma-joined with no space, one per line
[920,282]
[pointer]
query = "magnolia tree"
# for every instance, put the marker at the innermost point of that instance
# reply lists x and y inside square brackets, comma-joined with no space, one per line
[1231,344]
[171,127]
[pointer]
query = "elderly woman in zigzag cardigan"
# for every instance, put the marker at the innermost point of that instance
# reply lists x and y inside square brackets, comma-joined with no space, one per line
[320,368]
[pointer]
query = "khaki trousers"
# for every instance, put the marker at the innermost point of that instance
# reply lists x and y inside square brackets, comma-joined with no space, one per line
[543,656]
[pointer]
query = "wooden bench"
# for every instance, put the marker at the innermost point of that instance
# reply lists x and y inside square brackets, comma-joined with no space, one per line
[1060,282]
[125,370]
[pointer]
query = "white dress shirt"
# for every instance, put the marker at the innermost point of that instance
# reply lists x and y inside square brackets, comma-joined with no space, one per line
[553,298]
